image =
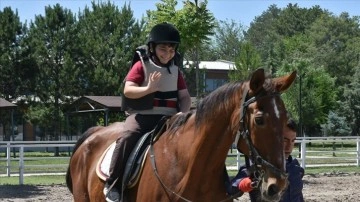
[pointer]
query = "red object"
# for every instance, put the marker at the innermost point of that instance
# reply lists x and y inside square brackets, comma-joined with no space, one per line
[245,185]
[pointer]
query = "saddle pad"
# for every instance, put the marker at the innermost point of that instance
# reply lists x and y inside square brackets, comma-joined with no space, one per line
[103,166]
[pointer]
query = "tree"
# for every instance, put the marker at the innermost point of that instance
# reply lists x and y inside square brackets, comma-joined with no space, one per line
[350,108]
[108,38]
[248,61]
[262,33]
[50,38]
[195,23]
[11,34]
[335,126]
[333,38]
[316,99]
[229,37]
[268,30]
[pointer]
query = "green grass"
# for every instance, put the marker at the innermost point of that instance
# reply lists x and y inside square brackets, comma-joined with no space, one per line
[34,180]
[43,164]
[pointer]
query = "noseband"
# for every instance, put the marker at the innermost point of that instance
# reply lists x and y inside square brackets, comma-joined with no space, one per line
[258,162]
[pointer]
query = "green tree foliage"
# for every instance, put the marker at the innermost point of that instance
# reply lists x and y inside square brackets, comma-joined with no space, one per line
[294,20]
[334,39]
[247,62]
[350,108]
[329,45]
[316,99]
[11,34]
[275,25]
[335,125]
[50,37]
[108,38]
[195,23]
[262,33]
[229,36]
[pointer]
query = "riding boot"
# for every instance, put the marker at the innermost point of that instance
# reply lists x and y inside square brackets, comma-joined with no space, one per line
[117,166]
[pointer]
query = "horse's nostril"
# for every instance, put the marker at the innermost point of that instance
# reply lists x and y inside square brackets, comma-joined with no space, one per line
[273,189]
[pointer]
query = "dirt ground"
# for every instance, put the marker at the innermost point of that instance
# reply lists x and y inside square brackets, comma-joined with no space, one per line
[323,187]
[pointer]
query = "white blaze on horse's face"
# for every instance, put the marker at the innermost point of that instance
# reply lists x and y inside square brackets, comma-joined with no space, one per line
[277,112]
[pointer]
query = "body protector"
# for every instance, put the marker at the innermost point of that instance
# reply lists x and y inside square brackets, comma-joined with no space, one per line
[161,102]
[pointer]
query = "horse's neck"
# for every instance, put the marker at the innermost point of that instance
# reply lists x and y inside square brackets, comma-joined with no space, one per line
[209,147]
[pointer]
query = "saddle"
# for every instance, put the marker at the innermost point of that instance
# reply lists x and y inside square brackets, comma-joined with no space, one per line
[136,159]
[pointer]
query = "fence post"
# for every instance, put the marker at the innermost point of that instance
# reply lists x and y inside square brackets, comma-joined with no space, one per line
[303,153]
[238,159]
[358,152]
[8,161]
[21,165]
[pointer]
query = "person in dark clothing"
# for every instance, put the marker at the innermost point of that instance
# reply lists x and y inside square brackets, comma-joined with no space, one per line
[154,88]
[293,193]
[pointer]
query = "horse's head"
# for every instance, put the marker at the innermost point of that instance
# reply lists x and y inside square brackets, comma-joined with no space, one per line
[262,119]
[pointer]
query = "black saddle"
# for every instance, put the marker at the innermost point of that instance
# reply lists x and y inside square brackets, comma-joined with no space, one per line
[134,162]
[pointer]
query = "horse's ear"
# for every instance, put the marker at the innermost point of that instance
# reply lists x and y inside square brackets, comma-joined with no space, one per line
[257,80]
[284,82]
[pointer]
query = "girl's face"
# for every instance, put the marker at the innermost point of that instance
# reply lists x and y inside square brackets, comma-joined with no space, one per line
[165,52]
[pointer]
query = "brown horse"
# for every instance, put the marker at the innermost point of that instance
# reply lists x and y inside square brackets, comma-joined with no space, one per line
[190,155]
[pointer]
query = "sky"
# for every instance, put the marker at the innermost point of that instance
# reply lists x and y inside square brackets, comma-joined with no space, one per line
[241,11]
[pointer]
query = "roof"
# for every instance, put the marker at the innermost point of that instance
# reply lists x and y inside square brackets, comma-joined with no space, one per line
[109,101]
[101,103]
[97,103]
[4,104]
[213,65]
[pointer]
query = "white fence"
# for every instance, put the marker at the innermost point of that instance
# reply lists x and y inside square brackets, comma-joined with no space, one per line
[339,156]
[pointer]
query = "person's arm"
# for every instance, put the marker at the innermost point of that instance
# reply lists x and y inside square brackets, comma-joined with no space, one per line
[133,90]
[184,100]
[242,181]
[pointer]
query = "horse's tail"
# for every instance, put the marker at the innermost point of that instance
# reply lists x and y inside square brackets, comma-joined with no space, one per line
[85,135]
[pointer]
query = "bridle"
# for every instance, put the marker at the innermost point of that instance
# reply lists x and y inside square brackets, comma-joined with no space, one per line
[258,162]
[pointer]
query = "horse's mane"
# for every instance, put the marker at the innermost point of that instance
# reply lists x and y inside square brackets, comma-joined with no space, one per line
[217,101]
[179,120]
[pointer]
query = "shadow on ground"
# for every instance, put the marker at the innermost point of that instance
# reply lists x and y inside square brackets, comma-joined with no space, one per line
[21,191]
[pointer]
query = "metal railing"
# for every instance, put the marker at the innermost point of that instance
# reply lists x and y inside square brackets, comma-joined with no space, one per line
[318,157]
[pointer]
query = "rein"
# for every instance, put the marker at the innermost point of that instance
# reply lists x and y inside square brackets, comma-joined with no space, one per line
[257,160]
[153,164]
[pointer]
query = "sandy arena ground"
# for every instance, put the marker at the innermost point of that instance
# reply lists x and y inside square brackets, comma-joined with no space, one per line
[317,188]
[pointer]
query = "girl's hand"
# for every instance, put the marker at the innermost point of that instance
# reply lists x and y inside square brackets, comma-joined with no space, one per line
[154,81]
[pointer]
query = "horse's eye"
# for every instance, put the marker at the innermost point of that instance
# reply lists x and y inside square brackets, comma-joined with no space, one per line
[259,120]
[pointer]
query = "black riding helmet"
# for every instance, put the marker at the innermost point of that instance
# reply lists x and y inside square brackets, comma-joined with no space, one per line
[164,33]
